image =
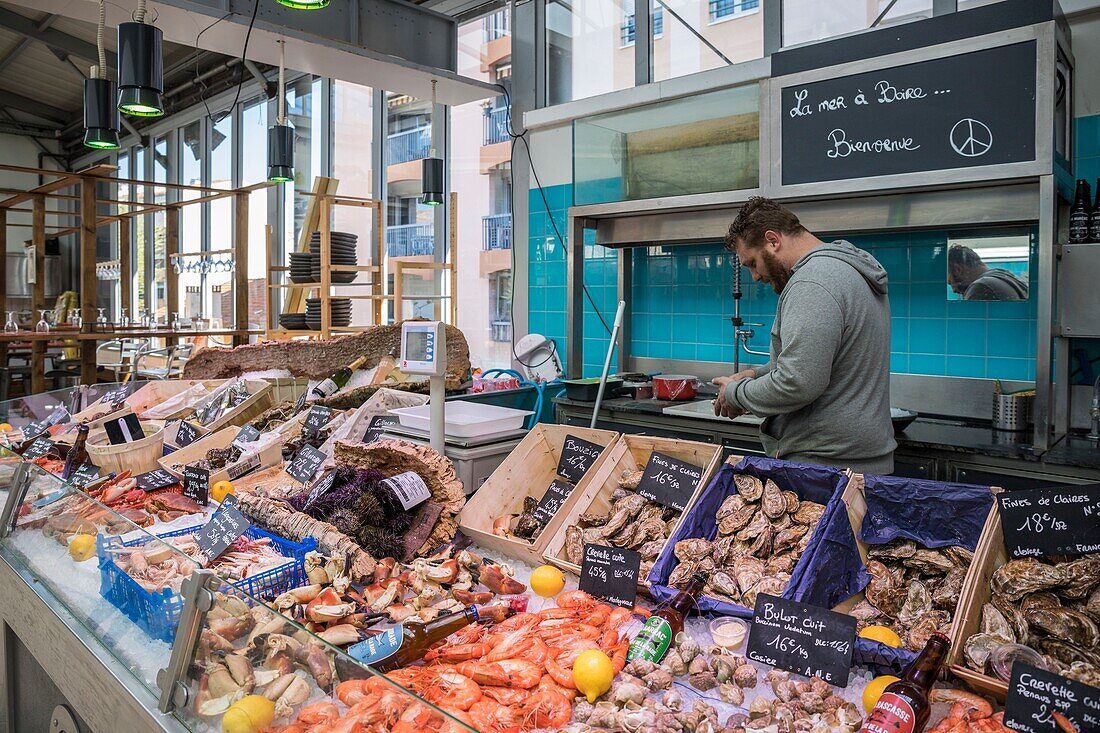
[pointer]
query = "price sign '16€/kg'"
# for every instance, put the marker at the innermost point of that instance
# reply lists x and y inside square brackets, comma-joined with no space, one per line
[669,481]
[803,639]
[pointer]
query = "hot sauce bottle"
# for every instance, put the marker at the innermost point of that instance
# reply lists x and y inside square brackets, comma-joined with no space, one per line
[903,706]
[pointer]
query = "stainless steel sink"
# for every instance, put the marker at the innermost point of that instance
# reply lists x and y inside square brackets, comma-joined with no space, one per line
[705,409]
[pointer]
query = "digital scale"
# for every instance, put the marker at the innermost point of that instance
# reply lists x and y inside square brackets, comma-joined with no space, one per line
[424,352]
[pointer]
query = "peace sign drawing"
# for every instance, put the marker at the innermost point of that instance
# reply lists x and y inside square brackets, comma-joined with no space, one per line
[971,138]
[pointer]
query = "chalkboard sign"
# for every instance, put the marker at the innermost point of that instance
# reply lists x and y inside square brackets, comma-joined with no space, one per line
[32,429]
[186,434]
[611,574]
[247,434]
[317,418]
[305,463]
[158,478]
[40,447]
[116,396]
[552,500]
[1057,521]
[577,456]
[803,639]
[221,531]
[196,484]
[1035,695]
[84,475]
[379,424]
[669,481]
[962,111]
[320,488]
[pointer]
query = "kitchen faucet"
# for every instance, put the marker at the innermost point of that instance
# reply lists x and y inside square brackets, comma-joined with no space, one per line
[741,335]
[1094,413]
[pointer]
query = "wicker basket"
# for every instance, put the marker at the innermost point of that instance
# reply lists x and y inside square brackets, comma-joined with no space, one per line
[136,457]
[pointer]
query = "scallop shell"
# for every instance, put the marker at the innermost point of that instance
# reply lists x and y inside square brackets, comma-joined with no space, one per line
[772,502]
[977,649]
[792,501]
[749,487]
[808,513]
[738,520]
[730,504]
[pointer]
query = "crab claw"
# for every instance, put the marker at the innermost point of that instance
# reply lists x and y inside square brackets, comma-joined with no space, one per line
[328,606]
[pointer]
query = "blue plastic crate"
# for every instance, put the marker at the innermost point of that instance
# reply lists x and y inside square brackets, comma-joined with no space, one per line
[158,613]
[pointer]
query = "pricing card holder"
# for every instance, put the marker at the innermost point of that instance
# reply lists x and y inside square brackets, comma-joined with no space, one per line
[555,496]
[223,529]
[611,574]
[669,481]
[379,424]
[196,484]
[303,467]
[316,419]
[577,456]
[804,639]
[1034,695]
[1054,521]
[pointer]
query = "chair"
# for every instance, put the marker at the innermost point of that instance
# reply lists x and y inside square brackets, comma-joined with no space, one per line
[174,359]
[65,372]
[129,352]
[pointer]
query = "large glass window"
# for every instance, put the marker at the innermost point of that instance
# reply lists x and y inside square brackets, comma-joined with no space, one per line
[806,21]
[253,170]
[303,110]
[143,300]
[191,229]
[705,34]
[585,51]
[159,306]
[352,150]
[219,281]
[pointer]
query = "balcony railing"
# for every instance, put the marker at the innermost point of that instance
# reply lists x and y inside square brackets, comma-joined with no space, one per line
[410,145]
[501,331]
[628,29]
[721,9]
[409,240]
[496,231]
[497,25]
[496,125]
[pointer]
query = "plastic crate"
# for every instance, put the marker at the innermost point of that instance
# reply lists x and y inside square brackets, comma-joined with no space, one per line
[158,613]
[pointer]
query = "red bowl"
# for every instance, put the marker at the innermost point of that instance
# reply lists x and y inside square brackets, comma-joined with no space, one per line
[675,387]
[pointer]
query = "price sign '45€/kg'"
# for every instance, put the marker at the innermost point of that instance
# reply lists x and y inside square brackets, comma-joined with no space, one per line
[611,574]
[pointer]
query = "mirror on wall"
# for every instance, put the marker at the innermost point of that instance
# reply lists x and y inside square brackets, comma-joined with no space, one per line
[988,267]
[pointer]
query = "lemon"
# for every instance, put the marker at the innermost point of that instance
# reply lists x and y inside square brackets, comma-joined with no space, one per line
[547,581]
[82,547]
[5,427]
[220,489]
[592,673]
[873,691]
[882,635]
[248,715]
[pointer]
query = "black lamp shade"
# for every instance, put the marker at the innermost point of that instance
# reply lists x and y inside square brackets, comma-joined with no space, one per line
[433,180]
[280,153]
[101,121]
[140,70]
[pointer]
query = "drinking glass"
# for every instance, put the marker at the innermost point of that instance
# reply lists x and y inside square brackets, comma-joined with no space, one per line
[75,319]
[43,326]
[102,318]
[123,319]
[10,326]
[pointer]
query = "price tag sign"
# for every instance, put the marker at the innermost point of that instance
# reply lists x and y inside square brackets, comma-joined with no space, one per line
[186,434]
[552,500]
[247,434]
[116,396]
[1055,521]
[84,475]
[803,639]
[158,478]
[610,573]
[379,424]
[1035,695]
[669,481]
[32,429]
[221,531]
[39,447]
[322,487]
[303,467]
[577,456]
[196,484]
[317,418]
[409,489]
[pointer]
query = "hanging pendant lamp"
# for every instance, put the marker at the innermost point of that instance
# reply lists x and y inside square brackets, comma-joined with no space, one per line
[280,136]
[433,173]
[140,67]
[304,4]
[101,122]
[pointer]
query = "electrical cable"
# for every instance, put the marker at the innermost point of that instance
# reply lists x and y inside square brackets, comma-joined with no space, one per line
[101,71]
[240,69]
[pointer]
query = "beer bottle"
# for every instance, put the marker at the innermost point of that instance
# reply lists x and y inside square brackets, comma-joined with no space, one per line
[408,642]
[78,454]
[1079,214]
[660,629]
[904,707]
[330,386]
[1094,217]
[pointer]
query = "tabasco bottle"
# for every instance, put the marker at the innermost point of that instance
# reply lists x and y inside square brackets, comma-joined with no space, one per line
[904,707]
[660,629]
[408,642]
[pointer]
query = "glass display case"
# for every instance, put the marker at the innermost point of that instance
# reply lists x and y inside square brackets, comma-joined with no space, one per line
[134,634]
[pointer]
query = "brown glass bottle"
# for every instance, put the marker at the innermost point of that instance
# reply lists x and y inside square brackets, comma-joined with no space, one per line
[904,707]
[406,643]
[78,454]
[660,629]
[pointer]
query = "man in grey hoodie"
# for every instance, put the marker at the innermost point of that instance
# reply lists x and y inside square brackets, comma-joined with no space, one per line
[825,392]
[971,278]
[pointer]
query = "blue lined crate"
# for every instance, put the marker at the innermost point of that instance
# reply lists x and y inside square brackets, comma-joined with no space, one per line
[158,613]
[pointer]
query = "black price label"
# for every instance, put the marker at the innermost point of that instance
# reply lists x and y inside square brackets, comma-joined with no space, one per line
[303,467]
[552,500]
[39,447]
[669,481]
[239,398]
[84,475]
[803,639]
[317,418]
[379,424]
[221,531]
[158,478]
[322,487]
[611,574]
[1055,521]
[116,396]
[247,434]
[1036,696]
[577,456]
[32,429]
[186,434]
[196,484]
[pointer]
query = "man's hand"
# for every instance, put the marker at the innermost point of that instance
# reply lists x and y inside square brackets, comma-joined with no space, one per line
[722,408]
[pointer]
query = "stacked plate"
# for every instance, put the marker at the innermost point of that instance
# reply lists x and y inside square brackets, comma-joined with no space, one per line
[342,252]
[302,267]
[293,321]
[340,309]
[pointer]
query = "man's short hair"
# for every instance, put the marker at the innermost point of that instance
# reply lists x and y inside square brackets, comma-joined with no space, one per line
[757,216]
[960,254]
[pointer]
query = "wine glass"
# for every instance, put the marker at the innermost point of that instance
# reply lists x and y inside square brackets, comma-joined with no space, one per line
[177,324]
[101,320]
[75,319]
[10,326]
[123,319]
[43,326]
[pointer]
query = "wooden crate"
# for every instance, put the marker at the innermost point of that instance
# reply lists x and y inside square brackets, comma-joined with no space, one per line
[156,392]
[527,471]
[223,438]
[629,453]
[287,389]
[260,399]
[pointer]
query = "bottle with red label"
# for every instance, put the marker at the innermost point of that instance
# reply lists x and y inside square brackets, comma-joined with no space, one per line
[904,706]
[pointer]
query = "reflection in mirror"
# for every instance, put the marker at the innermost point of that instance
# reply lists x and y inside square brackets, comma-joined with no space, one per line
[988,267]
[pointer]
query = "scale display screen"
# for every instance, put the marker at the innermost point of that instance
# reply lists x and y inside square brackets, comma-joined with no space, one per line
[424,348]
[418,345]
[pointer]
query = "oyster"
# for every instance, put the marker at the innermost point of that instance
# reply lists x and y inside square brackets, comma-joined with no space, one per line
[782,563]
[946,595]
[1035,601]
[782,522]
[724,584]
[1080,576]
[882,580]
[1018,577]
[1091,605]
[959,555]
[650,550]
[894,550]
[864,611]
[1068,653]
[1014,617]
[748,487]
[809,513]
[978,648]
[994,623]
[762,545]
[918,602]
[720,550]
[772,501]
[1083,672]
[932,562]
[738,520]
[792,501]
[737,551]
[758,524]
[630,480]
[692,550]
[773,586]
[920,632]
[1067,625]
[574,547]
[789,537]
[594,518]
[730,504]
[680,574]
[623,512]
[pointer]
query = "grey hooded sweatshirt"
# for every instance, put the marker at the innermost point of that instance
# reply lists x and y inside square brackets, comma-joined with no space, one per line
[996,284]
[825,393]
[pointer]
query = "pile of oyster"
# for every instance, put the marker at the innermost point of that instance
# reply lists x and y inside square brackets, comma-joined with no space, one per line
[913,590]
[632,522]
[1054,608]
[762,532]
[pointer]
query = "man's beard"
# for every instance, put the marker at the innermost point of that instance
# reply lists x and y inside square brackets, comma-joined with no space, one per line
[773,271]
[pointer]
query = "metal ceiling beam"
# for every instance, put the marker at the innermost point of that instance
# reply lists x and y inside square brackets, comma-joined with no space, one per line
[33,107]
[21,46]
[55,39]
[257,74]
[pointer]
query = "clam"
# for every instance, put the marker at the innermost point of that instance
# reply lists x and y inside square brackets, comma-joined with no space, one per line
[978,648]
[749,487]
[772,501]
